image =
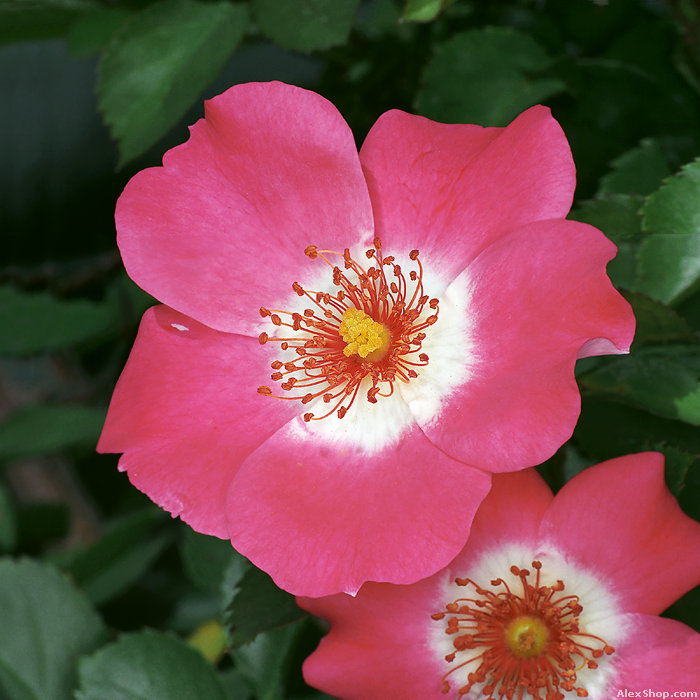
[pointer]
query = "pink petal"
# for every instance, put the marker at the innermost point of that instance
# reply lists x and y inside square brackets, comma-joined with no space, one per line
[619,517]
[379,644]
[337,517]
[660,656]
[378,647]
[452,189]
[536,297]
[186,413]
[510,513]
[220,229]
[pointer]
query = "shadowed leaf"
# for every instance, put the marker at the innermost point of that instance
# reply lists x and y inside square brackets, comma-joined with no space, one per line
[499,73]
[159,62]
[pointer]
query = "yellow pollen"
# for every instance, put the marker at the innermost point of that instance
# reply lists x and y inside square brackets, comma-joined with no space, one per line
[361,333]
[526,636]
[365,335]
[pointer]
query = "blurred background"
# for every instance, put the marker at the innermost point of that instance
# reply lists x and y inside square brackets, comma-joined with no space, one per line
[93,577]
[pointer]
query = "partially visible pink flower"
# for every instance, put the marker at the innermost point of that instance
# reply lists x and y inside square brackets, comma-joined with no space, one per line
[266,235]
[552,598]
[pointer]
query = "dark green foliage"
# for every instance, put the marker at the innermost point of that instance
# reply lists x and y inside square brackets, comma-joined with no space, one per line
[258,606]
[664,380]
[157,64]
[306,25]
[120,557]
[424,10]
[39,321]
[486,76]
[46,624]
[147,664]
[49,428]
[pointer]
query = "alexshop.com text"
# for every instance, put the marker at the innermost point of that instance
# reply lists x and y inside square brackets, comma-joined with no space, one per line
[649,693]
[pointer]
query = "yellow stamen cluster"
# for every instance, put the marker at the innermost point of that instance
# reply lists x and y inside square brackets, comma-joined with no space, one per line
[362,333]
[368,334]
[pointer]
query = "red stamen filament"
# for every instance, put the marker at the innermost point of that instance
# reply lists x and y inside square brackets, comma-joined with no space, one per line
[321,368]
[517,644]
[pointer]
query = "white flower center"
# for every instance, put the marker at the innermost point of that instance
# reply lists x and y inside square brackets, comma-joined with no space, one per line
[375,350]
[527,621]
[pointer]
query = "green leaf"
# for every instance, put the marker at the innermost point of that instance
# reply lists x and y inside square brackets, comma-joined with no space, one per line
[157,65]
[608,428]
[669,266]
[689,309]
[687,609]
[147,665]
[574,462]
[677,466]
[8,521]
[258,606]
[657,322]
[129,299]
[675,207]
[21,20]
[46,624]
[35,322]
[92,30]
[689,496]
[48,428]
[424,10]
[306,25]
[669,258]
[120,557]
[265,661]
[639,170]
[377,18]
[617,216]
[485,76]
[235,685]
[210,562]
[613,97]
[665,381]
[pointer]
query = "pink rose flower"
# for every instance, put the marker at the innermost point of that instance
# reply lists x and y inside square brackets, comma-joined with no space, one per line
[552,598]
[350,345]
